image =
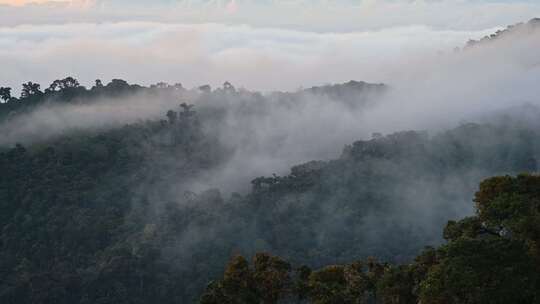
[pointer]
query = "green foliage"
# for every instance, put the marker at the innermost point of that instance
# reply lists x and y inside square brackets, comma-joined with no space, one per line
[75,228]
[328,285]
[491,258]
[266,282]
[476,266]
[481,271]
[397,285]
[105,216]
[468,227]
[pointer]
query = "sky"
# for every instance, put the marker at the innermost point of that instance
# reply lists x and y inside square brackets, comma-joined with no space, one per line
[260,44]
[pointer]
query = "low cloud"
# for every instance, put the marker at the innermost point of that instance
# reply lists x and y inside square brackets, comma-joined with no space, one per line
[432,85]
[194,54]
[428,90]
[313,15]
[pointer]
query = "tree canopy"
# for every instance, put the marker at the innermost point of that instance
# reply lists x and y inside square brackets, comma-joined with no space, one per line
[489,258]
[110,215]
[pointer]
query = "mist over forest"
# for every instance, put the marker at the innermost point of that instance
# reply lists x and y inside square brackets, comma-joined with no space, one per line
[124,193]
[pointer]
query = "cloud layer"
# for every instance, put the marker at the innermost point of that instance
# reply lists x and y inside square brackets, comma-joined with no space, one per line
[429,89]
[321,15]
[257,44]
[194,54]
[432,86]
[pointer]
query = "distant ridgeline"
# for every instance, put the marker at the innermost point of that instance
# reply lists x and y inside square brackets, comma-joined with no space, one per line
[62,91]
[69,91]
[528,28]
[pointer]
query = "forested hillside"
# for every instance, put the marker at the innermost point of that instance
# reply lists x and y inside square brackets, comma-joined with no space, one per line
[492,257]
[123,193]
[105,215]
[76,224]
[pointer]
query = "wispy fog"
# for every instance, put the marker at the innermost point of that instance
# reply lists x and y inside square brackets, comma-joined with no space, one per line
[270,132]
[194,54]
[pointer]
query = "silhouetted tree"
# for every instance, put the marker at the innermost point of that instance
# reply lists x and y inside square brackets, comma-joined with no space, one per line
[5,94]
[117,84]
[30,89]
[172,116]
[186,109]
[62,84]
[228,87]
[98,84]
[205,88]
[271,277]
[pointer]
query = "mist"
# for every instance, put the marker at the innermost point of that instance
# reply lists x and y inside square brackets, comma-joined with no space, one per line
[262,59]
[270,132]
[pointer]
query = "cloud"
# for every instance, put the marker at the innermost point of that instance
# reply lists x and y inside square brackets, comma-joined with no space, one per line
[430,89]
[311,15]
[310,42]
[433,87]
[26,2]
[194,54]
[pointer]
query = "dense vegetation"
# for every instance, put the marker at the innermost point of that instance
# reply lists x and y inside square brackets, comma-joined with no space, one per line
[492,257]
[74,225]
[106,215]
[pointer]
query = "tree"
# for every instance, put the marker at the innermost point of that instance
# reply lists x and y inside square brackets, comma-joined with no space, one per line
[236,287]
[266,283]
[172,117]
[271,276]
[397,285]
[228,87]
[493,256]
[186,110]
[205,88]
[53,87]
[492,270]
[63,84]
[328,285]
[5,94]
[117,84]
[98,84]
[69,82]
[510,207]
[30,89]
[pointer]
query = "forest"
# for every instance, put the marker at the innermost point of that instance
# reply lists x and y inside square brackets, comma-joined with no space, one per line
[491,257]
[169,207]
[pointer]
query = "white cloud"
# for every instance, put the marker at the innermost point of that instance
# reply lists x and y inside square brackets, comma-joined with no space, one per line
[430,89]
[27,2]
[209,41]
[317,15]
[257,58]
